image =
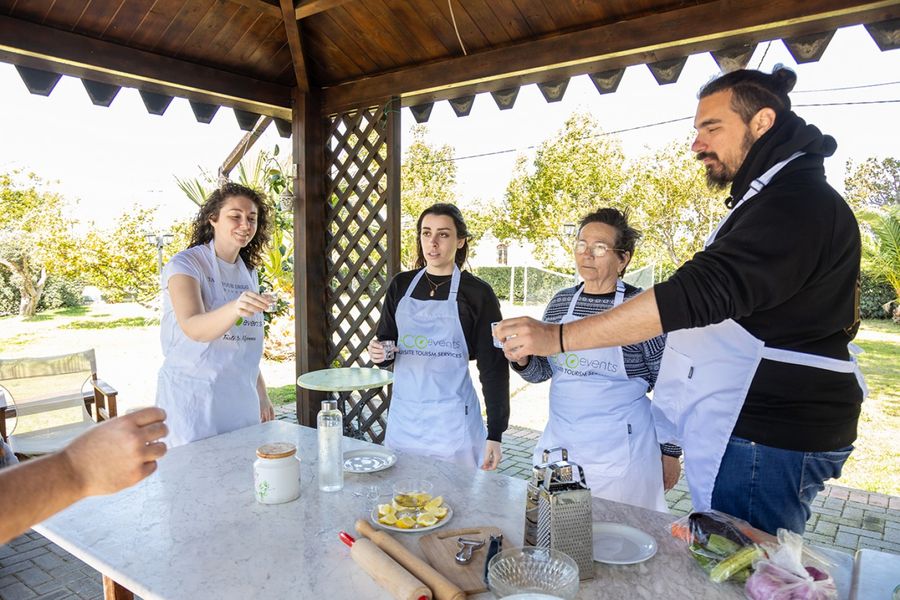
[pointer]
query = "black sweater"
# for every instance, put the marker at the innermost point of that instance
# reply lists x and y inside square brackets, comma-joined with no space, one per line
[785,267]
[478,308]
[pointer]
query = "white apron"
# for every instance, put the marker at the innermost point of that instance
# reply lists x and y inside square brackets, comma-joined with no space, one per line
[602,417]
[434,409]
[213,390]
[704,378]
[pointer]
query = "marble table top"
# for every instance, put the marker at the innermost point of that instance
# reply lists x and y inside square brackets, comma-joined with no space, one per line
[193,529]
[345,379]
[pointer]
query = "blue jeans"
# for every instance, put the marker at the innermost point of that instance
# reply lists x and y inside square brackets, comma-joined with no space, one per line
[772,488]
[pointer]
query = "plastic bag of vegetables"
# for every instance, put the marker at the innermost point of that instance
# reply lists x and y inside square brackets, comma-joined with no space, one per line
[724,546]
[782,576]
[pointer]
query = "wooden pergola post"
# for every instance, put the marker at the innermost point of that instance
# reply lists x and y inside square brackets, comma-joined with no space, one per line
[308,145]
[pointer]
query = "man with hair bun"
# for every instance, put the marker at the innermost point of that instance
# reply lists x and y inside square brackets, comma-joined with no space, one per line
[758,382]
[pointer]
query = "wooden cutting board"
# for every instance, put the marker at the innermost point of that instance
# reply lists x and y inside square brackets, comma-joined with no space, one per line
[440,549]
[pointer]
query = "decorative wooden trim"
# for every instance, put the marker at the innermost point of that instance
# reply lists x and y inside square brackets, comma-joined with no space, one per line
[40,47]
[660,36]
[292,30]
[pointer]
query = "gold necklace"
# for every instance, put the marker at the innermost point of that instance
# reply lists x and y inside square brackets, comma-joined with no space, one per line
[434,286]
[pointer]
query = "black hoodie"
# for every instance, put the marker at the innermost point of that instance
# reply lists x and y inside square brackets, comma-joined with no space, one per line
[786,268]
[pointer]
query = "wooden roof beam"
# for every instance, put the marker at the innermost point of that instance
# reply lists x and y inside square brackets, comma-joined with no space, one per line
[292,30]
[27,44]
[309,8]
[652,38]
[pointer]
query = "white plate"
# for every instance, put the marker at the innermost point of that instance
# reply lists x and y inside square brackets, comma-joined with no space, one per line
[374,518]
[368,460]
[617,544]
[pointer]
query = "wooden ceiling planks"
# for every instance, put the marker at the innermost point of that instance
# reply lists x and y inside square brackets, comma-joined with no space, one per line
[486,21]
[657,36]
[472,37]
[362,50]
[161,16]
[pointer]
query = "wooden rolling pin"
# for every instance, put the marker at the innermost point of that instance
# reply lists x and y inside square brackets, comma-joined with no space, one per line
[443,588]
[385,570]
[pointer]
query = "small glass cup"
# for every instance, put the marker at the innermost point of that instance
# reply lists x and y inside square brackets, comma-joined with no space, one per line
[371,497]
[390,349]
[497,342]
[412,493]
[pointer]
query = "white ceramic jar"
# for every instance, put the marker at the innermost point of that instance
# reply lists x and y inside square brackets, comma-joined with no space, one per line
[276,473]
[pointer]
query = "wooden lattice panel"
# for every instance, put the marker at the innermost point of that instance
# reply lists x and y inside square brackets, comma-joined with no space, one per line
[356,254]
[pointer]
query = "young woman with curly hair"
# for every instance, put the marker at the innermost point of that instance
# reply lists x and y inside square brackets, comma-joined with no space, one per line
[212,322]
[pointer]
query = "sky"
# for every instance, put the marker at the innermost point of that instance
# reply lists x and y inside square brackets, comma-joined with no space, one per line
[106,161]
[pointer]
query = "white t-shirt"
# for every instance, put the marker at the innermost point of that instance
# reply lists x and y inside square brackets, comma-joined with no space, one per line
[180,351]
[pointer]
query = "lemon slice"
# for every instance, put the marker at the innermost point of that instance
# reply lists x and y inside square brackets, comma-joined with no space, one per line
[439,512]
[434,503]
[426,520]
[387,520]
[406,523]
[386,509]
[422,498]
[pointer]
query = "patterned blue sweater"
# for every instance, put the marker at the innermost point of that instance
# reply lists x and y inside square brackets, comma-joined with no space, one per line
[641,360]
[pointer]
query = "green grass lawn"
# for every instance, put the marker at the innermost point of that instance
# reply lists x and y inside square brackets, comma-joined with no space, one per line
[875,464]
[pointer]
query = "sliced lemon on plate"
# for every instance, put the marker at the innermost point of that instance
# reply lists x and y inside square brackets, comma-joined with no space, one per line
[406,523]
[386,509]
[439,512]
[387,520]
[426,520]
[434,503]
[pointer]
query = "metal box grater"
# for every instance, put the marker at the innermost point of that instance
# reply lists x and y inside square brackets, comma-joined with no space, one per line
[564,515]
[533,494]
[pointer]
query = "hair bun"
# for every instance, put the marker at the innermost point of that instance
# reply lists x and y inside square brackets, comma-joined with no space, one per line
[784,78]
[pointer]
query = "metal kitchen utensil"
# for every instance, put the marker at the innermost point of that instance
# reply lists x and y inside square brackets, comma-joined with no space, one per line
[564,515]
[495,546]
[466,548]
[534,487]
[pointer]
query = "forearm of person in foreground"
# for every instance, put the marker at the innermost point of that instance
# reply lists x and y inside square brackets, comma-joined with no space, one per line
[634,321]
[109,457]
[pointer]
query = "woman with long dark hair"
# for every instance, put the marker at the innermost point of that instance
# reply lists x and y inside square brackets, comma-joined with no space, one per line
[212,322]
[439,318]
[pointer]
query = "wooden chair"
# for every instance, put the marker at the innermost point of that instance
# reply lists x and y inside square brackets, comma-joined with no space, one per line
[50,400]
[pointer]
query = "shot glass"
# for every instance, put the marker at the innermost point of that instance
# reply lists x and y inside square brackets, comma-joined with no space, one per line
[371,496]
[390,349]
[497,342]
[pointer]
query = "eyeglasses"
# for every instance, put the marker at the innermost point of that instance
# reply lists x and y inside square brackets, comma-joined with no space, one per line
[598,249]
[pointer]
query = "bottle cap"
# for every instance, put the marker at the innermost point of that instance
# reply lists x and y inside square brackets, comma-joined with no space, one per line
[329,404]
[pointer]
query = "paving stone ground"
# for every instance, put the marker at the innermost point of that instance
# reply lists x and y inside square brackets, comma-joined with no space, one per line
[33,568]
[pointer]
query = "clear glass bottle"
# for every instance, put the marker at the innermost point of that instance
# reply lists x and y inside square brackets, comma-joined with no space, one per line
[330,424]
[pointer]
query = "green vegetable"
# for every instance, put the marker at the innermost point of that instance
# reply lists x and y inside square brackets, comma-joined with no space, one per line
[721,545]
[738,561]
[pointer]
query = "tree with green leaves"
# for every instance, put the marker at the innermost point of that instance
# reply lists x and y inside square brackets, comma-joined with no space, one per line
[882,259]
[574,172]
[873,183]
[35,239]
[427,176]
[671,204]
[119,260]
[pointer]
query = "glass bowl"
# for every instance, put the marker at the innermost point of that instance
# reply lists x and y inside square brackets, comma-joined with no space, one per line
[531,570]
[412,493]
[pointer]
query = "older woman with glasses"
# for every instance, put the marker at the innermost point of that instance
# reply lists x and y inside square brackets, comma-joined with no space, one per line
[599,408]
